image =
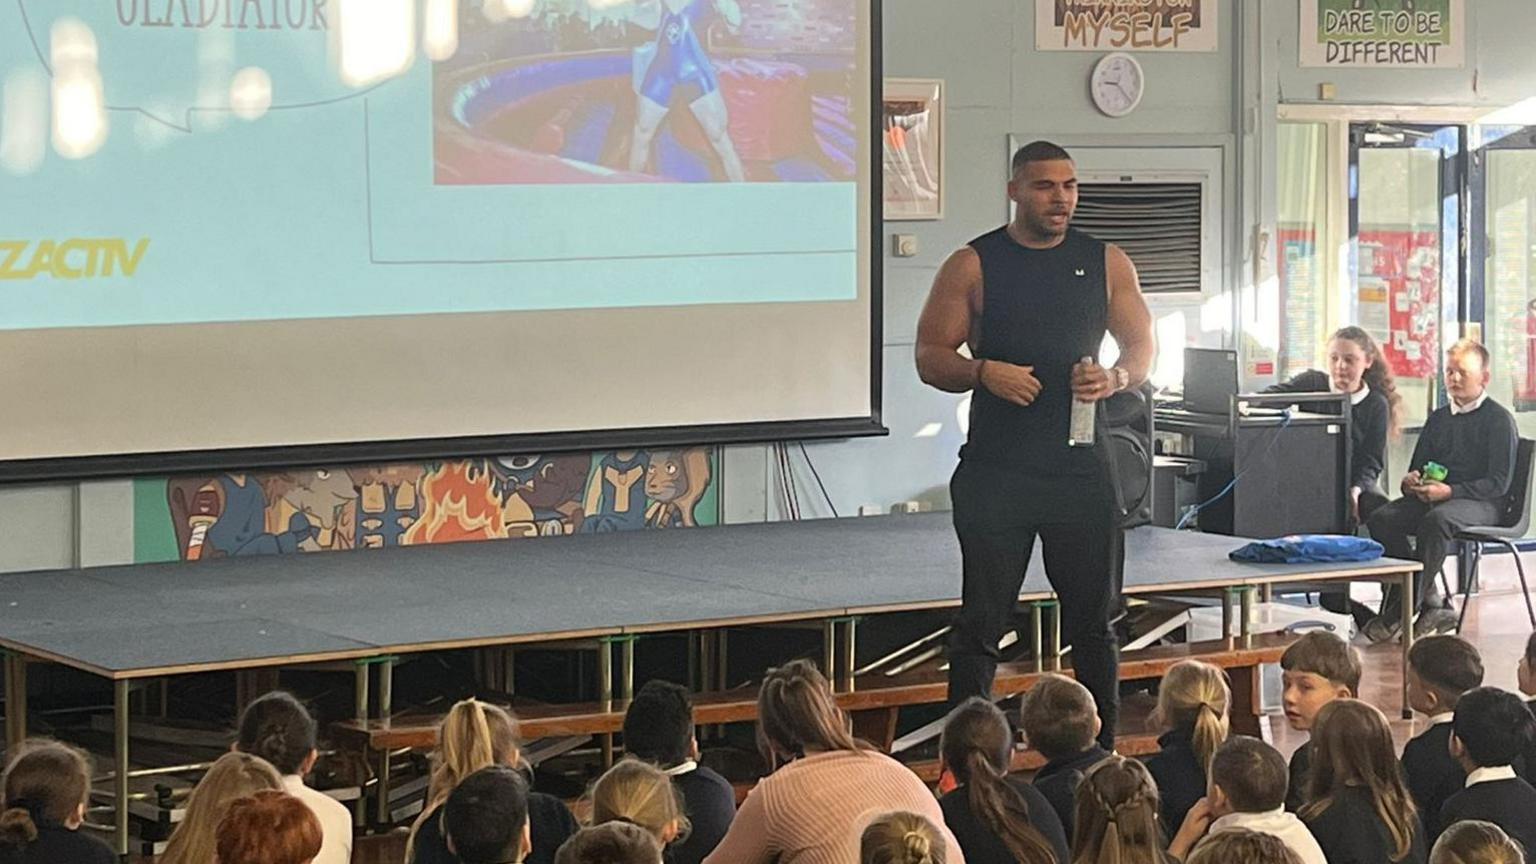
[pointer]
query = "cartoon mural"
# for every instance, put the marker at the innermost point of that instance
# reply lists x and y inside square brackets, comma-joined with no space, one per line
[675,480]
[313,510]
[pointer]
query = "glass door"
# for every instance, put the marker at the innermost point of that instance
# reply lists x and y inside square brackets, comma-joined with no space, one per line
[1504,225]
[1407,258]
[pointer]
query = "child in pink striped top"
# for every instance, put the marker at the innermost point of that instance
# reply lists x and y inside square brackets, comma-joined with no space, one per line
[827,786]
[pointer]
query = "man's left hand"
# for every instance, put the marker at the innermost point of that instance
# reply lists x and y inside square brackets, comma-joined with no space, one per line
[1433,493]
[1092,382]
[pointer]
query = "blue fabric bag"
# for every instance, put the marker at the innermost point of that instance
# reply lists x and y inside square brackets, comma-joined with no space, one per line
[1308,549]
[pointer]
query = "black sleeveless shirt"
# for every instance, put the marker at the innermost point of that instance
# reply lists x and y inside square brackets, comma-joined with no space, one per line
[1045,308]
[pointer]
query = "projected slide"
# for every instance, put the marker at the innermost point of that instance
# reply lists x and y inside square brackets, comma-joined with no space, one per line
[659,90]
[405,229]
[558,159]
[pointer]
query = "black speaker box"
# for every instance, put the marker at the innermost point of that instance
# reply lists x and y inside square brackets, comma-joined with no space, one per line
[1127,429]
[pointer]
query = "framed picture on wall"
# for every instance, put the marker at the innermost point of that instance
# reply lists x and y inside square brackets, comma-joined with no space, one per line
[912,129]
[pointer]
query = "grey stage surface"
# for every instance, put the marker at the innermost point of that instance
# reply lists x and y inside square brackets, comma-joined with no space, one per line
[149,620]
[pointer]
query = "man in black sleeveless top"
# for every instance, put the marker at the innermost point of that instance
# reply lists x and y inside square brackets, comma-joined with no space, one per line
[1030,301]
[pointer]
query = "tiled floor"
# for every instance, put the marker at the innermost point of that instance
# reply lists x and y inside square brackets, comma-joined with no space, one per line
[1496,623]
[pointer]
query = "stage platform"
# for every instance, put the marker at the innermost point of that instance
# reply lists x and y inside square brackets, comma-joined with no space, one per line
[148,621]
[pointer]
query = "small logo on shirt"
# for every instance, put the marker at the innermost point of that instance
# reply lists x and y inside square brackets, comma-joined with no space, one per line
[1080,272]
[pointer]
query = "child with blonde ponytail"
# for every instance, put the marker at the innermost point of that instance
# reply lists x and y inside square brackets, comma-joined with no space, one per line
[901,838]
[473,736]
[641,794]
[1192,705]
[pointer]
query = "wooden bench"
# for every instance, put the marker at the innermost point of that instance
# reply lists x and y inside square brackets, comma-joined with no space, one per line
[873,704]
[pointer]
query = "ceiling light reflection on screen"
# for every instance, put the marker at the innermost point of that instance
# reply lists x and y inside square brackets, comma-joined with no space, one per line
[377,39]
[79,102]
[23,121]
[441,36]
[518,8]
[250,93]
[71,43]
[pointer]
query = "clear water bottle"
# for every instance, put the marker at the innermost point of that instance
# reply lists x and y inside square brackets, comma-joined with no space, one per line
[1082,432]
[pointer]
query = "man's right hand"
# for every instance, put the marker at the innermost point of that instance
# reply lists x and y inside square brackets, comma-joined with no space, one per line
[1017,384]
[1411,482]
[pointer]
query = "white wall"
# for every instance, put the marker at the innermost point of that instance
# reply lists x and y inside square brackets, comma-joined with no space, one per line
[1500,63]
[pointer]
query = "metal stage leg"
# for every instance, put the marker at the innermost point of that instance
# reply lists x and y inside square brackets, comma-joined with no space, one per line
[120,756]
[850,652]
[1037,635]
[829,648]
[360,713]
[707,660]
[1054,607]
[694,667]
[1226,615]
[10,703]
[1407,634]
[722,663]
[386,708]
[15,701]
[1245,618]
[627,668]
[605,692]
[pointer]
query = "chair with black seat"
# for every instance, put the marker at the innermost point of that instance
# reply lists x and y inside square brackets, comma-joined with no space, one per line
[1514,521]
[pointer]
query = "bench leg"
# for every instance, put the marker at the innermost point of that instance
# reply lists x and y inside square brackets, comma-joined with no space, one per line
[1244,709]
[877,726]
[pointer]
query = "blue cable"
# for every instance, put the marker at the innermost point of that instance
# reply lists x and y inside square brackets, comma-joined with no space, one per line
[1195,510]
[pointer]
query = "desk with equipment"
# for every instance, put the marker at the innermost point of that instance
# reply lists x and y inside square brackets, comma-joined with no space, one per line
[1274,464]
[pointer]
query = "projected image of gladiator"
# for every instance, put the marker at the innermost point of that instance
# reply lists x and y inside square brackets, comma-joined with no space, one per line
[636,91]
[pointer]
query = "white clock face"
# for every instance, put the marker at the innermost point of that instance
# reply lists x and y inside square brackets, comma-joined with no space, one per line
[1117,84]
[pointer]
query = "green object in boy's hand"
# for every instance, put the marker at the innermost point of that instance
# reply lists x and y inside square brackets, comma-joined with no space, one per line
[1434,472]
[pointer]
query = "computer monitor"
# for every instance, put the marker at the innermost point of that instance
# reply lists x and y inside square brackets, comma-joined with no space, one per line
[1210,380]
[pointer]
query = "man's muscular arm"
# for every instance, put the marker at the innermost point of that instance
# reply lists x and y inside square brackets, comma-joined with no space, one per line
[946,324]
[1129,320]
[1131,325]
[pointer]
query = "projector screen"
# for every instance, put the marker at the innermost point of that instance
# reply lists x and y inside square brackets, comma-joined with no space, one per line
[253,232]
